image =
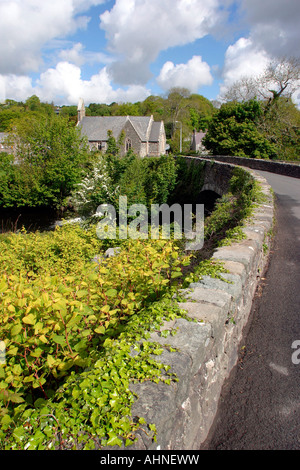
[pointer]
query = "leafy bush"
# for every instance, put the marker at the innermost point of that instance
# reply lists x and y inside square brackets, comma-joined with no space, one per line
[61,316]
[234,207]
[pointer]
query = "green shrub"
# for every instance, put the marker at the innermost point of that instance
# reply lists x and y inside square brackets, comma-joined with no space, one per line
[61,316]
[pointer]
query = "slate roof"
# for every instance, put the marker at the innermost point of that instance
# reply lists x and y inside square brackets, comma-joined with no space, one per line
[155,131]
[198,136]
[96,127]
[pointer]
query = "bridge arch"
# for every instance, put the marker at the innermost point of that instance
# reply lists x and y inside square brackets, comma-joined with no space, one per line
[213,187]
[208,196]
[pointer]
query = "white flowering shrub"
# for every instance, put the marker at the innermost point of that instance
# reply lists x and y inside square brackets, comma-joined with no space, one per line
[95,189]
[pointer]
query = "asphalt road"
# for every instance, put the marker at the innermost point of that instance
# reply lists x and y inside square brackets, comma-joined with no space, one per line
[260,402]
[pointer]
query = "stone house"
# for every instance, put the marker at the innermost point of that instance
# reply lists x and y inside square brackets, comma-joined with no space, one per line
[4,147]
[196,141]
[142,134]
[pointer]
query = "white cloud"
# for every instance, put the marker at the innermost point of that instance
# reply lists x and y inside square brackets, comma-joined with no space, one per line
[63,84]
[138,30]
[73,55]
[242,59]
[274,25]
[273,33]
[78,55]
[27,25]
[191,75]
[16,87]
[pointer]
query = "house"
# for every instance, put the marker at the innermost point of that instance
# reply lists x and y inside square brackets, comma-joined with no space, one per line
[196,142]
[4,146]
[142,134]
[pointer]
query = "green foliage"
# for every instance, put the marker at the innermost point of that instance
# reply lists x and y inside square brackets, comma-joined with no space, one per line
[132,182]
[70,326]
[160,178]
[190,177]
[207,267]
[141,180]
[281,126]
[112,147]
[149,180]
[11,110]
[77,332]
[50,160]
[234,131]
[233,208]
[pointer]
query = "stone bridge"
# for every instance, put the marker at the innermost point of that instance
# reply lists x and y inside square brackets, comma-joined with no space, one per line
[207,348]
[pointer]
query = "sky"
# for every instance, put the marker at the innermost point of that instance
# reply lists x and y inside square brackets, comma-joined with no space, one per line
[122,51]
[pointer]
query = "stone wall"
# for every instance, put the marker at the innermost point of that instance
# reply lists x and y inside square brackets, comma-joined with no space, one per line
[207,348]
[287,169]
[138,147]
[216,176]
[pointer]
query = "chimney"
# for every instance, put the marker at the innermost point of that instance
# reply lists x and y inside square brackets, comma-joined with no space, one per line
[80,110]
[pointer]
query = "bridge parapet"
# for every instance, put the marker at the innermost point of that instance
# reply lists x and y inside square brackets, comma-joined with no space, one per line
[281,168]
[215,177]
[207,348]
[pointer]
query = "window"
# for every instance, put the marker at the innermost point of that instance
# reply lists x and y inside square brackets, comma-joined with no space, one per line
[128,145]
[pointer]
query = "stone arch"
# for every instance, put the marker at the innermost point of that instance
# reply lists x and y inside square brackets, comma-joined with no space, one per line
[208,197]
[210,186]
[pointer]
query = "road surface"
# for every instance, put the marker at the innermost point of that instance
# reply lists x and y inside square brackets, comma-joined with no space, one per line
[260,403]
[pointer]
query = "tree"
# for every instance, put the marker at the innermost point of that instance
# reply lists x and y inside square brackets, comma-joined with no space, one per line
[234,131]
[176,102]
[51,157]
[99,109]
[201,111]
[279,119]
[280,78]
[281,126]
[33,103]
[128,109]
[283,76]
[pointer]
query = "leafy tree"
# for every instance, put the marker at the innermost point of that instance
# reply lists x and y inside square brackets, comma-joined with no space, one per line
[33,103]
[127,109]
[153,105]
[234,131]
[12,110]
[112,146]
[132,182]
[279,121]
[281,126]
[99,109]
[201,112]
[95,188]
[9,111]
[50,159]
[160,178]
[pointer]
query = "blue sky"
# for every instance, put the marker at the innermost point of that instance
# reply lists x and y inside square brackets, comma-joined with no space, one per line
[125,50]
